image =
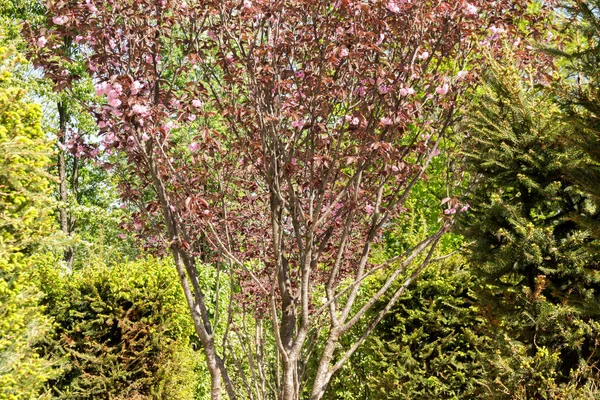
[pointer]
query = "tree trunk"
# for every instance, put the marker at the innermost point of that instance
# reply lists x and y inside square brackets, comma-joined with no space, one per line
[288,383]
[323,374]
[215,364]
[62,176]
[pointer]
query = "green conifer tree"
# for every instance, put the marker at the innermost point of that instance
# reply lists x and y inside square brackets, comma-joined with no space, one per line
[24,224]
[541,285]
[579,94]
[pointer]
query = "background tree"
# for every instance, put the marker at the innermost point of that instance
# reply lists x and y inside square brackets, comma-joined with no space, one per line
[541,283]
[579,95]
[329,114]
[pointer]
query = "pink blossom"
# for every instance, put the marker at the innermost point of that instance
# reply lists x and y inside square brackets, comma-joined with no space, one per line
[169,126]
[60,19]
[206,212]
[393,7]
[118,89]
[298,124]
[112,94]
[355,121]
[78,38]
[369,209]
[383,89]
[299,74]
[110,138]
[211,35]
[424,55]
[461,74]
[61,146]
[247,4]
[403,92]
[91,6]
[114,102]
[191,117]
[435,153]
[94,153]
[395,169]
[449,211]
[380,39]
[194,147]
[411,91]
[148,58]
[102,124]
[344,52]
[145,137]
[442,90]
[136,87]
[494,30]
[197,103]
[41,42]
[140,109]
[470,10]
[386,121]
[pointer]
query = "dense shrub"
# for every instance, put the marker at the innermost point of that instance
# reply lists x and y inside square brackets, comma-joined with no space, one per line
[123,332]
[24,225]
[428,347]
[537,261]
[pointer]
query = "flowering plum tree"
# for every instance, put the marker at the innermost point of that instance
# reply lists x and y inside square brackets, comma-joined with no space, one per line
[279,138]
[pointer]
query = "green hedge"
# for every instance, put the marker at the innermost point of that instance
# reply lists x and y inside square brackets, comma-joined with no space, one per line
[123,332]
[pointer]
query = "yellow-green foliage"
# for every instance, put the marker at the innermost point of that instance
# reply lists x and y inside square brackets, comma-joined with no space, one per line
[24,222]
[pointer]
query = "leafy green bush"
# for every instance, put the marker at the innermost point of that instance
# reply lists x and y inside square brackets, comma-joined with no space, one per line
[429,345]
[123,332]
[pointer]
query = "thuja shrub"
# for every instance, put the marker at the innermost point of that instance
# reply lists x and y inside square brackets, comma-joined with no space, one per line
[123,333]
[431,345]
[25,224]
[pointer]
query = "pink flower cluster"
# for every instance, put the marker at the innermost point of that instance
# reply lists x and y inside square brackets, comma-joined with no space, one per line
[442,90]
[91,6]
[470,10]
[136,87]
[406,92]
[393,7]
[141,110]
[113,92]
[386,121]
[60,19]
[41,42]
